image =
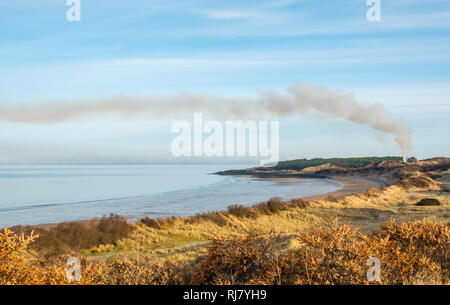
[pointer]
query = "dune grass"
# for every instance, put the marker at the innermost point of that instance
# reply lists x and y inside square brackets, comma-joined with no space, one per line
[187,238]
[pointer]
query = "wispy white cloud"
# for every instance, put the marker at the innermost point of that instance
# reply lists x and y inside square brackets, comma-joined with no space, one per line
[281,3]
[231,14]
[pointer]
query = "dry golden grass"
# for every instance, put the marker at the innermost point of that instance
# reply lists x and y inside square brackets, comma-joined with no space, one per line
[367,211]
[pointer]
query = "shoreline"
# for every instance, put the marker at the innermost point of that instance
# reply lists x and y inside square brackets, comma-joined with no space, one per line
[352,185]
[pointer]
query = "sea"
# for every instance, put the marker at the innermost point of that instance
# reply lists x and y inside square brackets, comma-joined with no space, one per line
[31,195]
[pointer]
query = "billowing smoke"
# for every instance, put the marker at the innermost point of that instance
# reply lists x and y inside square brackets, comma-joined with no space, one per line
[302,98]
[297,100]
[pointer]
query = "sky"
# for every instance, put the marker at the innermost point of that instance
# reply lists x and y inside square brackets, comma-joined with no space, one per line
[234,49]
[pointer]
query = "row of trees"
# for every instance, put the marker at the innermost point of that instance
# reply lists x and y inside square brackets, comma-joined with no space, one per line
[300,164]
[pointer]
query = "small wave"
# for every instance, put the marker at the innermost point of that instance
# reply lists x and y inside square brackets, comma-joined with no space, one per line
[46,205]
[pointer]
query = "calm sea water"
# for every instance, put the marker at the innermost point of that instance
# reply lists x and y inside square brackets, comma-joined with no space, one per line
[49,194]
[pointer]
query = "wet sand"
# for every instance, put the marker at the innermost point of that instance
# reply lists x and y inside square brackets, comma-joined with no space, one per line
[352,186]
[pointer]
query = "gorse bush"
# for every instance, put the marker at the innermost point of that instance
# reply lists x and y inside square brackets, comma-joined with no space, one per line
[241,211]
[410,253]
[17,267]
[237,261]
[272,206]
[14,266]
[327,256]
[413,253]
[161,223]
[144,271]
[71,237]
[218,218]
[428,202]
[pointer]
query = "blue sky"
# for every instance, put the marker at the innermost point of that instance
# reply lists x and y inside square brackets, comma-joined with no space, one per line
[226,48]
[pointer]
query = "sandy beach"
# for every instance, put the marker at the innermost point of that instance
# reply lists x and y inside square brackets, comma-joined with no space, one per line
[352,186]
